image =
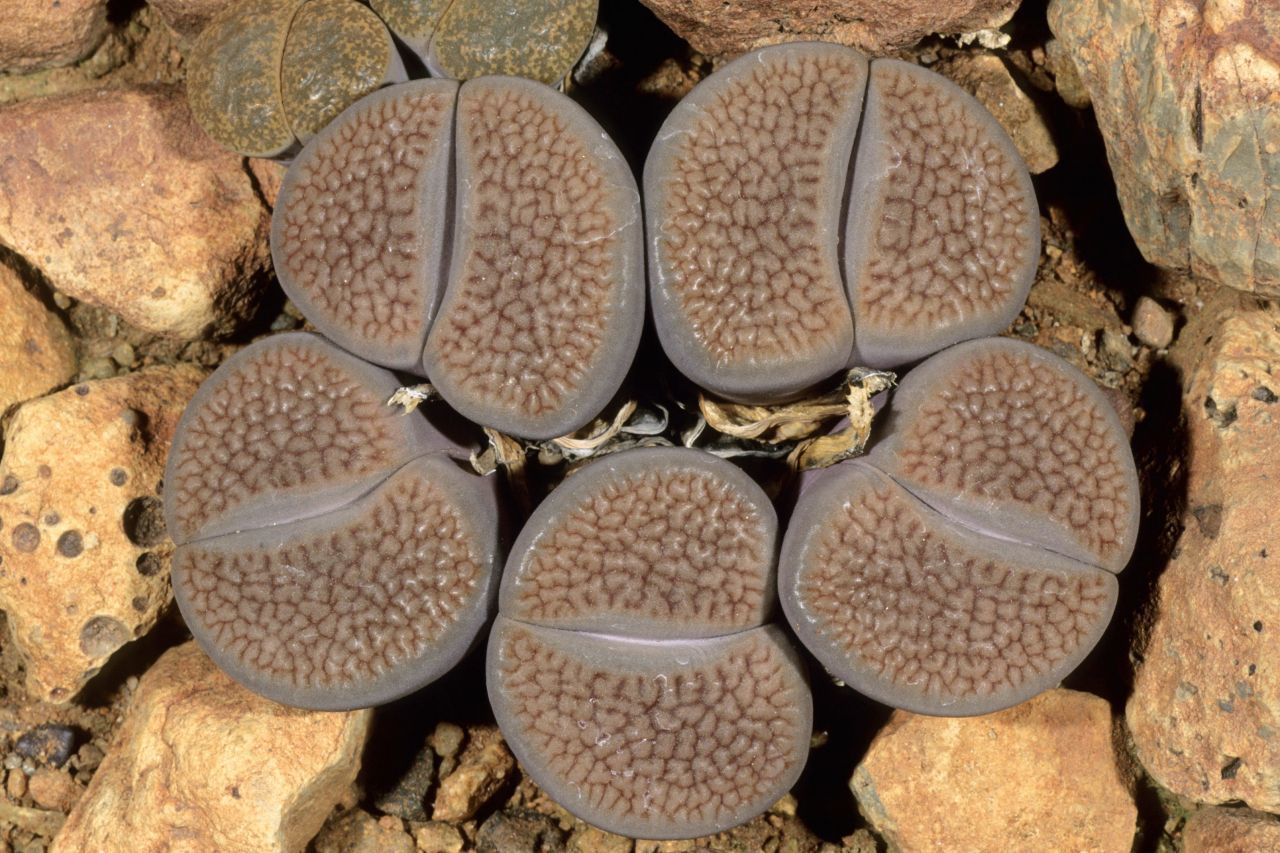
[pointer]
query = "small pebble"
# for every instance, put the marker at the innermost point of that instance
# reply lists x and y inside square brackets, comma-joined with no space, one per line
[89,756]
[123,354]
[1116,351]
[97,368]
[53,789]
[15,784]
[436,837]
[446,740]
[1152,324]
[48,743]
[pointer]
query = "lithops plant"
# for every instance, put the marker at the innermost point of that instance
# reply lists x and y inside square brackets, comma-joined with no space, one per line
[967,563]
[631,668]
[462,39]
[486,235]
[332,553]
[808,210]
[265,75]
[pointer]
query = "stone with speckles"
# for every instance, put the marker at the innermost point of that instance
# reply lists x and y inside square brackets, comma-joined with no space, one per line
[1206,696]
[630,667]
[83,466]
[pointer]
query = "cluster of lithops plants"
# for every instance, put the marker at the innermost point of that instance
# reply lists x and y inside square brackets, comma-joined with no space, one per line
[266,75]
[807,210]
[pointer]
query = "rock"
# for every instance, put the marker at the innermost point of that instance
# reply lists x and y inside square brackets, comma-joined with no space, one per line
[37,34]
[187,17]
[53,789]
[15,784]
[485,765]
[83,551]
[1207,694]
[446,740]
[1152,324]
[47,743]
[1039,776]
[519,831]
[360,832]
[120,200]
[1066,79]
[986,77]
[36,351]
[39,822]
[435,837]
[406,796]
[716,27]
[1188,99]
[1217,830]
[200,763]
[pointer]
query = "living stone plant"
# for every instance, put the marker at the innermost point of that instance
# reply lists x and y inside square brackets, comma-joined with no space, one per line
[806,210]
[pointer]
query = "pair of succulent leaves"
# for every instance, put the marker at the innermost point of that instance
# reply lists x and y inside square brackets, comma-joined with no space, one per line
[333,554]
[264,76]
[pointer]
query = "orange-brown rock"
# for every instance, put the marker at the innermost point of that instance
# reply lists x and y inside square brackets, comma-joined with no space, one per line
[120,200]
[1205,710]
[37,34]
[717,27]
[36,352]
[1039,776]
[203,764]
[482,770]
[1217,830]
[84,557]
[1187,96]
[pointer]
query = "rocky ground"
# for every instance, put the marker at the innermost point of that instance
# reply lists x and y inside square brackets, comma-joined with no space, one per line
[133,259]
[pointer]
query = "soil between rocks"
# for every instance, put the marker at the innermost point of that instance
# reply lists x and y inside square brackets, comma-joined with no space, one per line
[1088,283]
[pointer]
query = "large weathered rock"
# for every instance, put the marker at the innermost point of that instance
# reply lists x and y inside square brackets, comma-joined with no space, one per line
[1188,99]
[121,200]
[38,34]
[1216,830]
[203,764]
[1039,776]
[1205,711]
[83,551]
[36,352]
[732,26]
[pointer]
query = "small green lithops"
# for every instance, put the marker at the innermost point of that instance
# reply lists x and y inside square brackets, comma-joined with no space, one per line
[415,21]
[265,75]
[539,39]
[462,39]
